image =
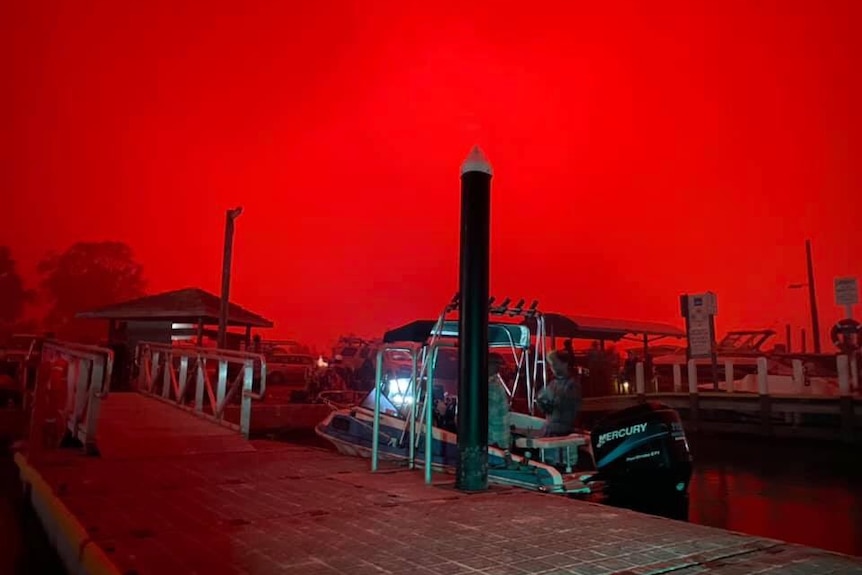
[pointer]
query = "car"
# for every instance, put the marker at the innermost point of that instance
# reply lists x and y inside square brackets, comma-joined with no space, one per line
[289,370]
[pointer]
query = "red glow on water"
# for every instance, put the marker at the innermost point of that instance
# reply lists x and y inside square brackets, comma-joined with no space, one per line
[639,151]
[786,494]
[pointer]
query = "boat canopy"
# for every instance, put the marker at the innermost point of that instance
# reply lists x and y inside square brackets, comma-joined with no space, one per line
[581,327]
[499,334]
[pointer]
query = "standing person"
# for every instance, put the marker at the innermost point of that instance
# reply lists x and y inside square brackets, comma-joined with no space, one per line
[560,400]
[499,429]
[568,347]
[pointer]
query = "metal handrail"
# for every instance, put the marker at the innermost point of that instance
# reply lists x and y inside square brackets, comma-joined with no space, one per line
[218,354]
[149,352]
[88,352]
[88,375]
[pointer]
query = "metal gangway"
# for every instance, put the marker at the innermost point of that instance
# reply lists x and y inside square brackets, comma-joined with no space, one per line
[201,380]
[73,379]
[424,355]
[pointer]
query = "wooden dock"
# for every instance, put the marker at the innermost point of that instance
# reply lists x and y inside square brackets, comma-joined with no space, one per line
[175,493]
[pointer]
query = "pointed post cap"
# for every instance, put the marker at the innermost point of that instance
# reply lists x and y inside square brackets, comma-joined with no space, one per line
[476,162]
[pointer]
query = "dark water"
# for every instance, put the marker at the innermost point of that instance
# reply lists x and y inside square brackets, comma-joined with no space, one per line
[802,492]
[24,548]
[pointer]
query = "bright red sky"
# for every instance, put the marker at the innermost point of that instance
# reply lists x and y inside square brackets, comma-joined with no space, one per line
[641,150]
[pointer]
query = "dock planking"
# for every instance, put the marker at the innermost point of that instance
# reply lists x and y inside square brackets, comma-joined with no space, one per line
[172,493]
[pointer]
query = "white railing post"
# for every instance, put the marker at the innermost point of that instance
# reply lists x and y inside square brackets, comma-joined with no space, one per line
[640,383]
[81,393]
[692,376]
[798,375]
[183,377]
[843,363]
[763,393]
[200,383]
[166,375]
[245,399]
[854,373]
[848,414]
[728,375]
[677,378]
[221,390]
[762,376]
[694,408]
[98,382]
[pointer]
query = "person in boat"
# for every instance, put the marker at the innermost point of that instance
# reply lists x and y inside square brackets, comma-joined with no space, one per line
[560,400]
[568,348]
[499,428]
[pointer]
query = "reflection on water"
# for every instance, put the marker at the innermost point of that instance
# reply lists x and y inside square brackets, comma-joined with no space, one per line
[801,492]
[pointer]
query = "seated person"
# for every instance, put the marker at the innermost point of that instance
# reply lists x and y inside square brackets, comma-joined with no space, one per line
[560,400]
[499,431]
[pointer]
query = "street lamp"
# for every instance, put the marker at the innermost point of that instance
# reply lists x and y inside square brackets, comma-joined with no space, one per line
[230,216]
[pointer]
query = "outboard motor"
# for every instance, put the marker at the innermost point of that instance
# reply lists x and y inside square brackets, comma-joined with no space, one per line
[642,449]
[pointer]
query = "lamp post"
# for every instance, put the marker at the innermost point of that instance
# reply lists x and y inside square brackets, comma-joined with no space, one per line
[812,296]
[815,328]
[230,216]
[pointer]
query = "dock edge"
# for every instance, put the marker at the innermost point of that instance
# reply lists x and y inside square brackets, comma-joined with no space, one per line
[78,552]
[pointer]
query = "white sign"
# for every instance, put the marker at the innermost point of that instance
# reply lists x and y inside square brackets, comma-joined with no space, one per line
[705,303]
[699,339]
[846,291]
[701,307]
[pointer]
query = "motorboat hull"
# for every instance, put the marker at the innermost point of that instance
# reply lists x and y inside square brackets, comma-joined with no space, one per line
[642,449]
[350,431]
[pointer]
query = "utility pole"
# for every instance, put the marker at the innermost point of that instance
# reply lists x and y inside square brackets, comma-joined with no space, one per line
[230,216]
[472,469]
[812,298]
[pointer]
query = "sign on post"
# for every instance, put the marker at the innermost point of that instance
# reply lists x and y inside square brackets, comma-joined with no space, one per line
[699,310]
[846,291]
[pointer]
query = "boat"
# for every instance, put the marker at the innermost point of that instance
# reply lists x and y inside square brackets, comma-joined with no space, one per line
[643,445]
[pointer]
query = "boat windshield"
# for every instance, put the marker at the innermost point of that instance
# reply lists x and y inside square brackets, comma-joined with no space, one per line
[398,389]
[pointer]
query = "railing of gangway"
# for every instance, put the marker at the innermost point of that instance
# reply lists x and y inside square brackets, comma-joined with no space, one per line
[166,372]
[84,384]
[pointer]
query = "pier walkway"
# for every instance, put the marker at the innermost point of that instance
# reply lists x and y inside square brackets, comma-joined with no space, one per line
[172,493]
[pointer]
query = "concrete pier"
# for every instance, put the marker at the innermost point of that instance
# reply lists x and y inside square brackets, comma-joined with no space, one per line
[175,493]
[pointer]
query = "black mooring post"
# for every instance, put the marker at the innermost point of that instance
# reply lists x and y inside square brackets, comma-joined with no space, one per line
[473,323]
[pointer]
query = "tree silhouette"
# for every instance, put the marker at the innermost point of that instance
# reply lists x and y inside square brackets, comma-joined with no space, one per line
[13,295]
[89,275]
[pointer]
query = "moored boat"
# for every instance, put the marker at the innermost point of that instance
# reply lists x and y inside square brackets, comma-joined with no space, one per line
[415,414]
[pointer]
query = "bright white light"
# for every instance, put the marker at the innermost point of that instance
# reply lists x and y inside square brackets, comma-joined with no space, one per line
[399,391]
[625,387]
[321,362]
[399,400]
